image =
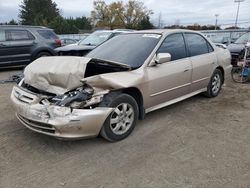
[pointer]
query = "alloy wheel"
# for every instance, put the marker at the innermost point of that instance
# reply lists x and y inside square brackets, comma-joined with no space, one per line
[122,118]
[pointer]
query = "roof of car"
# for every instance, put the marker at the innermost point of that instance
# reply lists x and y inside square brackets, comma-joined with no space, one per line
[116,31]
[164,31]
[23,26]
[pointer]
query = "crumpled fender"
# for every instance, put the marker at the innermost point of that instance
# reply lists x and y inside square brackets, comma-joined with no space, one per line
[115,80]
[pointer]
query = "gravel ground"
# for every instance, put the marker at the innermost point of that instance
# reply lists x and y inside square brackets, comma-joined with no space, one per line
[200,142]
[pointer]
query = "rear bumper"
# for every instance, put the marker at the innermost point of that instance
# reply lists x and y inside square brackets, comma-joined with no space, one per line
[57,121]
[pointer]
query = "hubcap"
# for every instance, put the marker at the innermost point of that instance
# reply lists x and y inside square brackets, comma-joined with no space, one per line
[216,84]
[122,118]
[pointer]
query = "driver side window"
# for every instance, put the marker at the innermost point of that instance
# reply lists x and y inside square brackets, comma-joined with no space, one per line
[174,45]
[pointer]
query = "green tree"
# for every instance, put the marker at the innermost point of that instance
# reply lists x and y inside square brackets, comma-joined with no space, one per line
[145,24]
[134,12]
[69,25]
[118,14]
[11,22]
[38,12]
[60,25]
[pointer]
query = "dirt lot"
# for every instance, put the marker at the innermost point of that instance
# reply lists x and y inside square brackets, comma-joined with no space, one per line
[199,142]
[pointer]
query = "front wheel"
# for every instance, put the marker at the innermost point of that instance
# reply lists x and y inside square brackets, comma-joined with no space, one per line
[215,84]
[121,122]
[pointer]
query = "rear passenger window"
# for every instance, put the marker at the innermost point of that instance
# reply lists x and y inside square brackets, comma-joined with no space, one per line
[197,44]
[47,34]
[2,36]
[14,35]
[175,45]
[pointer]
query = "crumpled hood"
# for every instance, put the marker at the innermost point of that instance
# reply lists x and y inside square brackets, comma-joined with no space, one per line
[56,74]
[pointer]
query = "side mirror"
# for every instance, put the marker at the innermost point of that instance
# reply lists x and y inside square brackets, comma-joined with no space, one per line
[162,58]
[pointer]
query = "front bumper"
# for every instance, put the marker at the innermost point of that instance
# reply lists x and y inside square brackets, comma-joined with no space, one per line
[57,121]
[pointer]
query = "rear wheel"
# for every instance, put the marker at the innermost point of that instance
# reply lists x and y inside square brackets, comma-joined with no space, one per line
[121,122]
[215,84]
[240,74]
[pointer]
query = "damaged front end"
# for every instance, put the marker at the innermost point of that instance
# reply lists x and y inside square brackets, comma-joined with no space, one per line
[70,116]
[56,96]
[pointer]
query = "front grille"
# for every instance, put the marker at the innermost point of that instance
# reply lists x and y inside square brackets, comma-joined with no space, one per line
[43,127]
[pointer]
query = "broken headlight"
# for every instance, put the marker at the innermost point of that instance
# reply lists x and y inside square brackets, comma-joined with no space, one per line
[75,98]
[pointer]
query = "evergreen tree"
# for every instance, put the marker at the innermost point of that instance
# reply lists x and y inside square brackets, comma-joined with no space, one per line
[145,24]
[38,12]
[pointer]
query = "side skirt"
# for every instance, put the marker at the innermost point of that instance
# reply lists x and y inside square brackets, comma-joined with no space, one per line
[156,107]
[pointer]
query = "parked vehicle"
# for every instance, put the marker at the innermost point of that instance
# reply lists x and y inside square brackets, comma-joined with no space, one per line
[67,41]
[237,48]
[241,73]
[19,45]
[89,43]
[117,83]
[221,40]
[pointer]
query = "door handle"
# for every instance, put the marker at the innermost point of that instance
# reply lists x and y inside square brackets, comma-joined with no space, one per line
[2,45]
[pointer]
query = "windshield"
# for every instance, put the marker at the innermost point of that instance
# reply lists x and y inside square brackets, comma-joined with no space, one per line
[95,38]
[130,49]
[243,39]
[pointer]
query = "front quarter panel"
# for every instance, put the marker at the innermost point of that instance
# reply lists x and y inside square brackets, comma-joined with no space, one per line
[224,60]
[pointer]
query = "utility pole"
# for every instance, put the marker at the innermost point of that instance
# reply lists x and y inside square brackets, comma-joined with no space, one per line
[237,15]
[159,21]
[216,21]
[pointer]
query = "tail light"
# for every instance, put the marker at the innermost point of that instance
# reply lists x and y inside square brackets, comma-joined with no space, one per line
[59,42]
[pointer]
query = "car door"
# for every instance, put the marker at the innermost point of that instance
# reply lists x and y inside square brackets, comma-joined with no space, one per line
[203,60]
[20,45]
[169,80]
[4,53]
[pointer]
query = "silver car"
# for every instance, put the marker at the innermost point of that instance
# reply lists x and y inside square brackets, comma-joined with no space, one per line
[117,83]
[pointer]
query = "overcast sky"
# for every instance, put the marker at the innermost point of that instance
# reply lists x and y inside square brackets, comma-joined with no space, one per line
[172,11]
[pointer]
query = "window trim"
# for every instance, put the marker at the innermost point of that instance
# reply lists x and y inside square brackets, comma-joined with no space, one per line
[186,49]
[207,43]
[9,36]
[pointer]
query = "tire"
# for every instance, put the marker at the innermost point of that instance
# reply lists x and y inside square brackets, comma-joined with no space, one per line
[215,84]
[121,122]
[42,54]
[238,76]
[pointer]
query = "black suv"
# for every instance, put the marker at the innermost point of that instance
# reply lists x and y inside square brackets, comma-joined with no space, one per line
[19,45]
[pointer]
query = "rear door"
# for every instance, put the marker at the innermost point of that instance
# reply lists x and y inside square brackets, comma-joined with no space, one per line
[203,59]
[170,80]
[4,44]
[20,46]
